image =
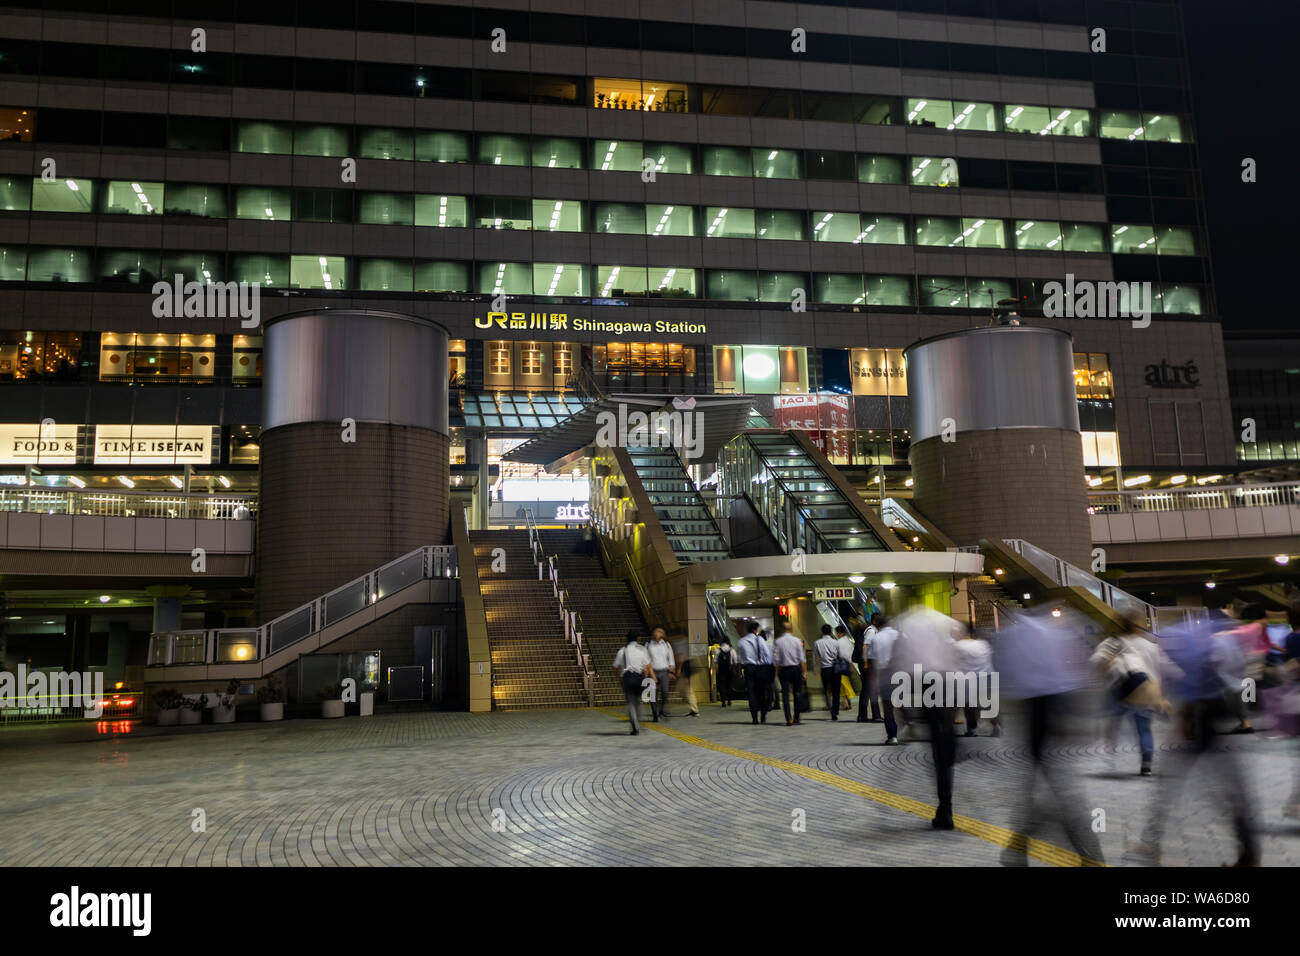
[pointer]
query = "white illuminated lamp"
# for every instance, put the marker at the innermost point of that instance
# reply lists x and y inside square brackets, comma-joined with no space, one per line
[225,482]
[1056,612]
[997,570]
[1210,585]
[887,585]
[758,365]
[856,578]
[1026,596]
[1282,558]
[1178,479]
[105,598]
[1138,480]
[737,588]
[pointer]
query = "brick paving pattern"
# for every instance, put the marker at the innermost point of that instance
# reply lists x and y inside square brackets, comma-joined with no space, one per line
[567,787]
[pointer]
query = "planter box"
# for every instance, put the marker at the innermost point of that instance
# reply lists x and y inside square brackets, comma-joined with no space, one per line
[273,711]
[331,708]
[223,715]
[190,716]
[367,704]
[169,717]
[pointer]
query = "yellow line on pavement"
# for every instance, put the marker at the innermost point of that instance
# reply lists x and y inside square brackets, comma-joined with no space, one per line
[1000,836]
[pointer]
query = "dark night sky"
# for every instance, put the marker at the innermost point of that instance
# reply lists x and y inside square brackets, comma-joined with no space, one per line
[1244,61]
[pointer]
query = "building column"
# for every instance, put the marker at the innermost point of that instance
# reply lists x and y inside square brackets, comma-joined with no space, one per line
[168,604]
[476,452]
[119,638]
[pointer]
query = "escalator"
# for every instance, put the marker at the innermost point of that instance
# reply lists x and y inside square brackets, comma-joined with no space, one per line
[682,513]
[801,506]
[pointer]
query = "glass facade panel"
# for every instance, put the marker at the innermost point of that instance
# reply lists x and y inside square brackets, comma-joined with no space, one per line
[725,161]
[386,209]
[554,278]
[1163,128]
[317,272]
[672,282]
[133,198]
[835,288]
[943,292]
[620,280]
[724,222]
[975,116]
[1034,234]
[880,169]
[554,152]
[13,263]
[671,157]
[196,200]
[933,171]
[557,215]
[439,211]
[15,193]
[1027,119]
[617,155]
[314,140]
[495,149]
[836,226]
[1176,241]
[929,112]
[262,202]
[510,278]
[202,267]
[983,234]
[888,290]
[499,213]
[888,230]
[1180,299]
[777,164]
[937,231]
[1084,237]
[781,286]
[63,195]
[1133,240]
[442,277]
[779,224]
[1122,124]
[46,264]
[669,220]
[128,266]
[271,272]
[733,285]
[442,147]
[617,217]
[1071,122]
[385,143]
[255,136]
[384,275]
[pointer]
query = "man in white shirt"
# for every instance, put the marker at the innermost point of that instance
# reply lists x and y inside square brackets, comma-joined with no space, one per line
[879,653]
[756,659]
[792,667]
[870,688]
[846,651]
[662,661]
[632,668]
[827,650]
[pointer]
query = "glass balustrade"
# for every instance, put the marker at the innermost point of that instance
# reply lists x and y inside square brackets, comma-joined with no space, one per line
[682,513]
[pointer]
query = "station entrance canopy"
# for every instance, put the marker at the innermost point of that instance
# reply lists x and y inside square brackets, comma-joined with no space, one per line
[710,421]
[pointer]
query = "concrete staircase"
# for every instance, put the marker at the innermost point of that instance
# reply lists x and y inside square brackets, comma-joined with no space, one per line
[533,666]
[987,591]
[608,608]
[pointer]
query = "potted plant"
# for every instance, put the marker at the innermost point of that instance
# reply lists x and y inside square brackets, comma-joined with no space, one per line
[270,699]
[169,707]
[192,709]
[331,700]
[224,712]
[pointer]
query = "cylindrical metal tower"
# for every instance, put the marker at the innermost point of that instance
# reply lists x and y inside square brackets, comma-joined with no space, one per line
[996,451]
[331,508]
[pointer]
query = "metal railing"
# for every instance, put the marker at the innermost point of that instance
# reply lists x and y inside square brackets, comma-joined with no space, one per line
[1195,498]
[246,644]
[128,504]
[570,619]
[1065,574]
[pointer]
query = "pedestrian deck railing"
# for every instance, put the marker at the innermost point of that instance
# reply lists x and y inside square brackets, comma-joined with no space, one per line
[571,620]
[128,504]
[1065,574]
[246,644]
[1195,498]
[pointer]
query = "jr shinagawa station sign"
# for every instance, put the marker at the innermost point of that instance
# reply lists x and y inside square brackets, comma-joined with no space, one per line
[563,322]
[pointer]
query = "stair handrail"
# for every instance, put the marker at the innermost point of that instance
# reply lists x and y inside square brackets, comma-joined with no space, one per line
[611,563]
[789,497]
[570,620]
[436,561]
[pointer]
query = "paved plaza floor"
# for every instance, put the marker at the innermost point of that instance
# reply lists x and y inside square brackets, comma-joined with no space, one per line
[572,787]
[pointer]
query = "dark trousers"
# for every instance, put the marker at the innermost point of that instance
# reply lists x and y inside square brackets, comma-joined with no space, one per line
[972,718]
[891,724]
[791,683]
[1198,729]
[870,691]
[831,686]
[757,686]
[1046,716]
[724,685]
[943,748]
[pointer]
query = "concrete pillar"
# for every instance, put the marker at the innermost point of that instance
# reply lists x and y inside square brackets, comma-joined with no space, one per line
[476,452]
[338,501]
[77,648]
[996,450]
[119,639]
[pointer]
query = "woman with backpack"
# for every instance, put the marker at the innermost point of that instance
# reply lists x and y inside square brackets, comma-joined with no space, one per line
[724,662]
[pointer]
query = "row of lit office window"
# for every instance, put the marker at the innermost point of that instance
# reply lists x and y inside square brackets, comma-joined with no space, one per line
[552,279]
[282,204]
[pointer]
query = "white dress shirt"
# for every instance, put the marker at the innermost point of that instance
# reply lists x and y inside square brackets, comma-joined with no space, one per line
[632,657]
[789,651]
[661,655]
[828,650]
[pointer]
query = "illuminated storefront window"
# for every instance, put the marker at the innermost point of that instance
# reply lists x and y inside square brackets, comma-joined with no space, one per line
[156,356]
[760,370]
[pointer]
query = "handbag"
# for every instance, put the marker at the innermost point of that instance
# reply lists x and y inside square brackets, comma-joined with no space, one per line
[801,702]
[632,682]
[841,667]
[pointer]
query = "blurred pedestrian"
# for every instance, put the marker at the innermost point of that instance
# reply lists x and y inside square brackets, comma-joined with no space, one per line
[827,649]
[881,653]
[1132,664]
[975,656]
[852,679]
[663,662]
[632,667]
[724,661]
